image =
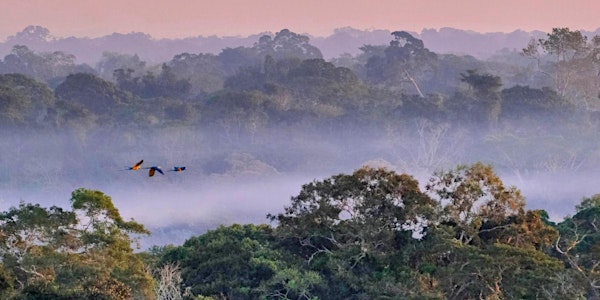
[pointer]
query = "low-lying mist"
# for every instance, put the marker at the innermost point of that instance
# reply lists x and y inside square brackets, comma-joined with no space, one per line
[227,182]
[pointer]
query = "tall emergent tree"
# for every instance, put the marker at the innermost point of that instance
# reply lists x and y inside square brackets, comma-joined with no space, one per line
[356,228]
[405,62]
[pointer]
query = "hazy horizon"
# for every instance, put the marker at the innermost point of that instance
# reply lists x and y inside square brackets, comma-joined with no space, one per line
[185,18]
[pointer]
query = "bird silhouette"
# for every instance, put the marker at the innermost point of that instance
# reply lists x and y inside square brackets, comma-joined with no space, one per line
[137,166]
[177,169]
[153,170]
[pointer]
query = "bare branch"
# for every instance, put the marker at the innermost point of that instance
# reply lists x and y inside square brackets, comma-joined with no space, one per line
[168,283]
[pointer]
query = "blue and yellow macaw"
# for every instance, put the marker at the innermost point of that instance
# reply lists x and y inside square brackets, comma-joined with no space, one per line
[137,166]
[177,169]
[154,169]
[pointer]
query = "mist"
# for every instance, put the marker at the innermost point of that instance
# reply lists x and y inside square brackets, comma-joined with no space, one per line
[235,183]
[253,124]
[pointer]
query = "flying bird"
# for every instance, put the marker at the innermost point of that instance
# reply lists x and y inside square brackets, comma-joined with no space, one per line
[136,166]
[177,169]
[154,169]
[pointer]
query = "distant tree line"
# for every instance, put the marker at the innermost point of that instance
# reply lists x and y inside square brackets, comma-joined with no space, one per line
[387,93]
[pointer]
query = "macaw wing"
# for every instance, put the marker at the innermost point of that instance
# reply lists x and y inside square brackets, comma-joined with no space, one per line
[159,171]
[137,165]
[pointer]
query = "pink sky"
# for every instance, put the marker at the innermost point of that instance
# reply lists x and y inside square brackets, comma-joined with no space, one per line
[185,18]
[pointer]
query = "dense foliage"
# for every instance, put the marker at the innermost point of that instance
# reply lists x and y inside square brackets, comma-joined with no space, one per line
[374,234]
[367,235]
[52,253]
[278,106]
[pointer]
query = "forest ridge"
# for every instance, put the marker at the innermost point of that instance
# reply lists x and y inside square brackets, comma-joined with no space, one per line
[342,40]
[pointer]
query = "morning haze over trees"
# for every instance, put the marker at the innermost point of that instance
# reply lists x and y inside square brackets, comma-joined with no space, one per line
[418,172]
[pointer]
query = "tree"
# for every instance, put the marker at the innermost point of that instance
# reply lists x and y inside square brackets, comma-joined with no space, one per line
[481,101]
[31,33]
[525,104]
[246,79]
[233,59]
[26,101]
[366,209]
[238,114]
[125,80]
[406,61]
[588,202]
[355,228]
[579,244]
[576,63]
[497,271]
[168,286]
[358,64]
[61,254]
[482,85]
[292,283]
[287,44]
[13,107]
[30,231]
[204,72]
[45,66]
[471,196]
[324,89]
[24,61]
[99,96]
[165,84]
[150,85]
[230,262]
[486,245]
[111,61]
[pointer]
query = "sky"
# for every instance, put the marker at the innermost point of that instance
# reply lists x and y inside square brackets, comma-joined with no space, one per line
[190,18]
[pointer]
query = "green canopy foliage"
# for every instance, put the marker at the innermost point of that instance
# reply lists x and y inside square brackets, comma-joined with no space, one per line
[374,234]
[65,254]
[367,235]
